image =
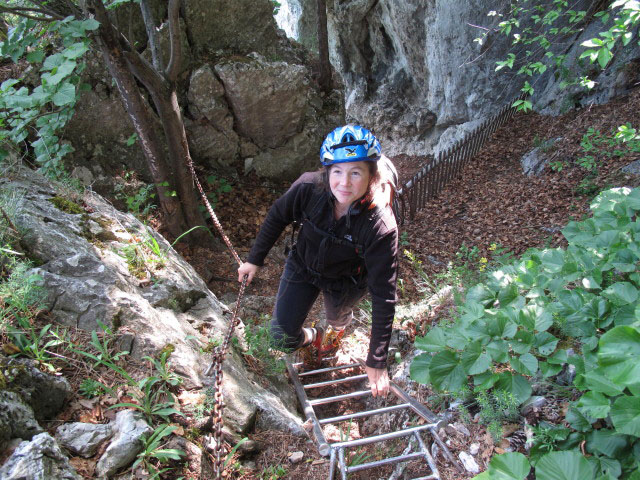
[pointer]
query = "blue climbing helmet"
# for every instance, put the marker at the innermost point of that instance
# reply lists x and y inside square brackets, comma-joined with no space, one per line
[350,143]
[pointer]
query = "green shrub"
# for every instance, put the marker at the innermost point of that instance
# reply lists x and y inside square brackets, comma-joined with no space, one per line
[519,324]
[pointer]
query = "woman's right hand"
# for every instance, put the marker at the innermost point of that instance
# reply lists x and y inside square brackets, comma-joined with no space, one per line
[247,269]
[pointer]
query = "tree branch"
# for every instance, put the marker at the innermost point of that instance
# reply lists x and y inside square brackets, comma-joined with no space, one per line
[145,73]
[175,60]
[60,9]
[150,26]
[26,13]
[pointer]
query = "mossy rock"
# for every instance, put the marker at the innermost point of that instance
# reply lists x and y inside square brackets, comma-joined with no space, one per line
[66,205]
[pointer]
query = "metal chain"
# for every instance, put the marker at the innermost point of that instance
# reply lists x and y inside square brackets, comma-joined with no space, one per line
[221,351]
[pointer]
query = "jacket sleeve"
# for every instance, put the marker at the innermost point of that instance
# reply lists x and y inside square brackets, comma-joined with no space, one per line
[381,261]
[285,210]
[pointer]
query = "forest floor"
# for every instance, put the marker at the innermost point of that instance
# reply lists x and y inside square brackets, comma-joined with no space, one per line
[492,203]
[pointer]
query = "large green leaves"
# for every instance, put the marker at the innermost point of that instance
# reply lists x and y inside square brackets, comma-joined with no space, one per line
[509,466]
[474,360]
[446,372]
[594,404]
[517,385]
[568,465]
[419,369]
[619,355]
[625,415]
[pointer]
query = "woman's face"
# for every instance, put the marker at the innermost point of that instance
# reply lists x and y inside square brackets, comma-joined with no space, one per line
[349,181]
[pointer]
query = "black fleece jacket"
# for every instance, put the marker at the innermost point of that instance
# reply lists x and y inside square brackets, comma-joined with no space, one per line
[329,263]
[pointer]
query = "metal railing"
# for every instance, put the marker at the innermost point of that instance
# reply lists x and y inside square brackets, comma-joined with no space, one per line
[439,170]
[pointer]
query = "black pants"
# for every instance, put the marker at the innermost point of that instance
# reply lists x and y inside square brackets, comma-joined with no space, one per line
[297,293]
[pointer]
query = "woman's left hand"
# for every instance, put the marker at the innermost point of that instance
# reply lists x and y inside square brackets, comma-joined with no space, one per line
[379,381]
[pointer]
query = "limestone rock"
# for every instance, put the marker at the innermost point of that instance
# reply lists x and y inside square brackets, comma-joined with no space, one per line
[87,279]
[83,439]
[633,168]
[128,427]
[39,459]
[533,162]
[17,419]
[46,394]
[241,26]
[469,463]
[206,98]
[268,99]
[218,147]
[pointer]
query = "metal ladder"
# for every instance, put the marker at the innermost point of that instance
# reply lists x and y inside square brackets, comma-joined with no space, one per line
[336,450]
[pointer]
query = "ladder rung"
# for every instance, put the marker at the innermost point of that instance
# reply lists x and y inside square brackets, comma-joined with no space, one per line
[339,398]
[382,437]
[363,414]
[335,382]
[328,369]
[385,461]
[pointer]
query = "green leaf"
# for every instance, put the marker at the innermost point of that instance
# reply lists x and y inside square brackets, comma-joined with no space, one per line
[594,404]
[625,415]
[567,465]
[90,24]
[604,55]
[485,380]
[526,364]
[545,343]
[419,369]
[474,360]
[53,61]
[509,466]
[549,370]
[65,95]
[433,341]
[446,372]
[517,385]
[553,260]
[75,50]
[597,381]
[619,354]
[607,442]
[577,420]
[35,57]
[621,293]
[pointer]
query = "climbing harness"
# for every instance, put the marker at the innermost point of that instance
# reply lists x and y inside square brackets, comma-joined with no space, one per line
[215,368]
[337,450]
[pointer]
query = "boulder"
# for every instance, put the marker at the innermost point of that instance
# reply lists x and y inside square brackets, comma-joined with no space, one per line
[83,439]
[87,278]
[268,99]
[39,459]
[17,419]
[241,26]
[632,168]
[46,394]
[128,428]
[534,161]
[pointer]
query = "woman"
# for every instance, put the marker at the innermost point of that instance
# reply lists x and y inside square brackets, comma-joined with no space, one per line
[348,243]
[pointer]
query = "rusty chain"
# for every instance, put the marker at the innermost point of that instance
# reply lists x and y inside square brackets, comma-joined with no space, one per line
[220,351]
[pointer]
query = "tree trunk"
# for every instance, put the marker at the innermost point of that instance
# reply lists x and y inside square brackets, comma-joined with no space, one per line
[324,79]
[143,123]
[171,118]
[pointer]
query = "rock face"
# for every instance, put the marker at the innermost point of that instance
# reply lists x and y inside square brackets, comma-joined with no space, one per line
[413,70]
[39,459]
[86,268]
[247,95]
